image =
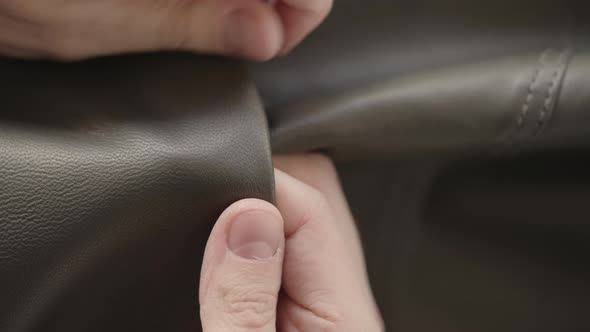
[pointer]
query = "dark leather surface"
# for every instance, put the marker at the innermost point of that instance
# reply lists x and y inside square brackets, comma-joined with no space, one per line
[518,102]
[476,244]
[462,131]
[399,77]
[111,176]
[450,120]
[376,40]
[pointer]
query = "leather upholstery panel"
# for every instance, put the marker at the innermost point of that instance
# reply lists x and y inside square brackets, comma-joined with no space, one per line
[112,174]
[517,102]
[412,77]
[377,40]
[113,170]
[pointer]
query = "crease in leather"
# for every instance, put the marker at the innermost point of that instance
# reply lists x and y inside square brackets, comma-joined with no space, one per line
[112,174]
[112,105]
[471,108]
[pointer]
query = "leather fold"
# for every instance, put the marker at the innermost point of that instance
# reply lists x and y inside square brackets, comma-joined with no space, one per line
[112,174]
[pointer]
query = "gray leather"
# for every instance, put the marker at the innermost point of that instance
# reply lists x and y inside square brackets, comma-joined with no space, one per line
[462,132]
[376,40]
[111,176]
[526,101]
[450,120]
[399,77]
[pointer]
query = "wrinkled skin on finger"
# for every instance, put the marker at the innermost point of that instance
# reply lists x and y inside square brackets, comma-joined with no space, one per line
[314,278]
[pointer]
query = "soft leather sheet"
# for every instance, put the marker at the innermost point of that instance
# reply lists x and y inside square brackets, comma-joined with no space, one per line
[112,173]
[450,121]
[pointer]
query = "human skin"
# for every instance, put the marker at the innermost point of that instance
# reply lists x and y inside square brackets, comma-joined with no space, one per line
[78,29]
[295,267]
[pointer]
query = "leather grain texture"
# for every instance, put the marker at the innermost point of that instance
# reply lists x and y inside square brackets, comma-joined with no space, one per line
[112,173]
[450,119]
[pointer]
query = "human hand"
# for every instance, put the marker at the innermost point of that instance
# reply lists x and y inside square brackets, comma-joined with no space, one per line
[298,268]
[74,29]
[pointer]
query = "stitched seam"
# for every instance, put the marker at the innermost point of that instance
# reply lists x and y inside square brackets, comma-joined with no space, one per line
[551,89]
[529,98]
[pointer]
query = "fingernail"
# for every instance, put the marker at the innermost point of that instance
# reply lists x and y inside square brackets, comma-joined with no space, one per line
[255,235]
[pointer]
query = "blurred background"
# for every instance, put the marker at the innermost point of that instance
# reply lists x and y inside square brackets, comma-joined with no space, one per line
[465,229]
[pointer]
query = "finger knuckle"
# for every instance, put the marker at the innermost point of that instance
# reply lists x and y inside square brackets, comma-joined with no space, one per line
[247,308]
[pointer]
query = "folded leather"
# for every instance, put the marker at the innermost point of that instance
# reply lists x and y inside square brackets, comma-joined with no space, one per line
[112,173]
[517,102]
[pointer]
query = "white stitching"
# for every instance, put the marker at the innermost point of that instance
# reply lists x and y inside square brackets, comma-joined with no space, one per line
[529,98]
[552,88]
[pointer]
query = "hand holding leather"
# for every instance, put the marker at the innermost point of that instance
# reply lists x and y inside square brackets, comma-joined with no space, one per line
[104,212]
[296,268]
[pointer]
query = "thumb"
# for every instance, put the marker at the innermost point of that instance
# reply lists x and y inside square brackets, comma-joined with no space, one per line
[241,273]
